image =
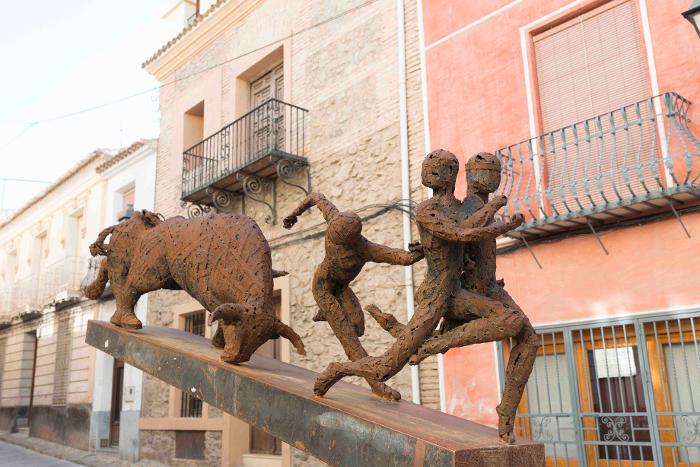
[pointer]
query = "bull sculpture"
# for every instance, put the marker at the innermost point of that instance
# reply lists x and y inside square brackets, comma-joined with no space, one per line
[222,260]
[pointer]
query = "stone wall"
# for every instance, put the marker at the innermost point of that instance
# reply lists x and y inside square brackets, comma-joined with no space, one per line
[345,73]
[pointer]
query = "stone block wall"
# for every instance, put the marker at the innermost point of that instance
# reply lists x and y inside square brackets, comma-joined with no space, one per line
[345,72]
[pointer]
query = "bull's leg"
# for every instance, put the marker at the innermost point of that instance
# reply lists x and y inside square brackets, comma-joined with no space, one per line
[142,278]
[343,322]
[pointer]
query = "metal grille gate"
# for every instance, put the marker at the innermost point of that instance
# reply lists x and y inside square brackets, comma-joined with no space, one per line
[618,392]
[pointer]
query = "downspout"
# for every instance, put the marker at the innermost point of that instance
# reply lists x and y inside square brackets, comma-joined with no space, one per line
[405,180]
[428,148]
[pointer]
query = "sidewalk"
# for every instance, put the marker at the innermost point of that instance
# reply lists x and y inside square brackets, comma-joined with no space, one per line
[77,456]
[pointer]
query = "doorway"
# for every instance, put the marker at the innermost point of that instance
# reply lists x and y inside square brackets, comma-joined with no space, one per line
[116,407]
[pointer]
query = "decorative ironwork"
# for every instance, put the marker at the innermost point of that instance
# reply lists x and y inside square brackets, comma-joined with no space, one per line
[288,169]
[266,143]
[194,209]
[540,428]
[616,429]
[628,161]
[255,188]
[692,424]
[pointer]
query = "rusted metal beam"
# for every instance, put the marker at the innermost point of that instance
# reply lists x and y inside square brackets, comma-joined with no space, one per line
[348,427]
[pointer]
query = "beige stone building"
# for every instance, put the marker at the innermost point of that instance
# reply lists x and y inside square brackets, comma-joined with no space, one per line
[52,384]
[261,101]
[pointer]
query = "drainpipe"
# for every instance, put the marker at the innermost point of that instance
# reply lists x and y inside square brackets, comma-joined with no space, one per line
[405,180]
[427,149]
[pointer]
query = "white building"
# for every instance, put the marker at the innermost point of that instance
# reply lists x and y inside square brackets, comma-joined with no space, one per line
[50,381]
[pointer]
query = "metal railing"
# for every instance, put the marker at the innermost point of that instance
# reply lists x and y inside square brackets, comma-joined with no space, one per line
[615,392]
[62,277]
[630,155]
[23,296]
[274,127]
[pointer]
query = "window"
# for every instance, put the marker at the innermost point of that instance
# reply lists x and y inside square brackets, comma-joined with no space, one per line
[191,407]
[193,128]
[260,441]
[126,205]
[587,67]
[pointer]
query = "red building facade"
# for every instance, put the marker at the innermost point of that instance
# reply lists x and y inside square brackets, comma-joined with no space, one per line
[589,105]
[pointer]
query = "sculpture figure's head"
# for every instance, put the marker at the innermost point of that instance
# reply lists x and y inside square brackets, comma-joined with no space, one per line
[345,228]
[440,170]
[483,173]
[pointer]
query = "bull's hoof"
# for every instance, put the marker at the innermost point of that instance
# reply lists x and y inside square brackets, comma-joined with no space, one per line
[130,322]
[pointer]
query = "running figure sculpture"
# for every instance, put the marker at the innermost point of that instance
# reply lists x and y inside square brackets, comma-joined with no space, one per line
[347,251]
[491,314]
[443,232]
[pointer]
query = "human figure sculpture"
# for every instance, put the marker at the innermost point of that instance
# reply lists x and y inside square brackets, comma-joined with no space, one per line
[222,260]
[443,232]
[346,252]
[490,314]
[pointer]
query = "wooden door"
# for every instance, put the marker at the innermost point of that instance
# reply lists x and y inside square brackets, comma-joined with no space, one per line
[117,388]
[267,118]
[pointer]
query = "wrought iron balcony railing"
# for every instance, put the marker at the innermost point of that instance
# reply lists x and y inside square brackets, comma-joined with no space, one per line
[255,146]
[61,281]
[631,161]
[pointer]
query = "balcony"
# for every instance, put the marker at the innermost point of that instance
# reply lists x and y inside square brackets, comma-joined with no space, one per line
[59,284]
[633,162]
[243,159]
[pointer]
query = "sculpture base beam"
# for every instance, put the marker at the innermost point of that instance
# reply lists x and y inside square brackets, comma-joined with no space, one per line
[348,427]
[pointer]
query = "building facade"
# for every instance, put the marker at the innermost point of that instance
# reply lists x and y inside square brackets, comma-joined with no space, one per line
[262,102]
[51,382]
[589,105]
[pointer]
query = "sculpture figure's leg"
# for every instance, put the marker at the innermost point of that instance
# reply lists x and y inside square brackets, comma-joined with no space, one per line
[340,320]
[520,363]
[428,313]
[353,310]
[498,321]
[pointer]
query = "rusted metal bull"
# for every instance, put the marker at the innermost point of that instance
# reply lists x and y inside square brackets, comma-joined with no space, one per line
[222,260]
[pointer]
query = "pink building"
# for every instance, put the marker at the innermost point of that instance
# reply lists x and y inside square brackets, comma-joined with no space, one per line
[588,103]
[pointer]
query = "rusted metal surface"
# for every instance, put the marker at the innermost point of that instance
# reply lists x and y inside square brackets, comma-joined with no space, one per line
[350,427]
[222,260]
[347,251]
[468,315]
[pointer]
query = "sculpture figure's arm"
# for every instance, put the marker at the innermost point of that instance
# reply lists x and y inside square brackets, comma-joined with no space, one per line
[485,214]
[328,209]
[443,226]
[383,254]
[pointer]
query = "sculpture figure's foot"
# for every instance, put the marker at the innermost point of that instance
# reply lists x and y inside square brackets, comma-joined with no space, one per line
[505,428]
[217,339]
[328,378]
[418,357]
[385,391]
[130,321]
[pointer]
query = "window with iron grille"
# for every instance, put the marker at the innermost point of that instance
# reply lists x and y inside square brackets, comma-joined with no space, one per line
[190,406]
[615,392]
[63,358]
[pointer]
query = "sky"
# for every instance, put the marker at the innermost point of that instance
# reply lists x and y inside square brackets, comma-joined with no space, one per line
[63,57]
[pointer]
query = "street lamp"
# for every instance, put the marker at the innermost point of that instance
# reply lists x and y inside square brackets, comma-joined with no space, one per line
[692,14]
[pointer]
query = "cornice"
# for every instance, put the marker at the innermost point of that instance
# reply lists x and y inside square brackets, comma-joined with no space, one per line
[189,42]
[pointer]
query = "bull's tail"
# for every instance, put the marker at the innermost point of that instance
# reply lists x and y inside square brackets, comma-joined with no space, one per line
[94,290]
